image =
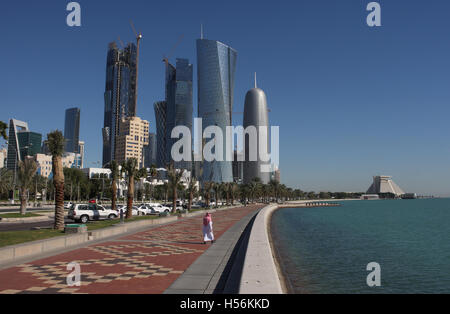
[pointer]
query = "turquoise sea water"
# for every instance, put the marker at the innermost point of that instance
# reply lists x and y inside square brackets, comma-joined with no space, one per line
[327,249]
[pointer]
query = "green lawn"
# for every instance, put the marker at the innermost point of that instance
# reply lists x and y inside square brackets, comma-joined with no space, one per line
[18,215]
[17,237]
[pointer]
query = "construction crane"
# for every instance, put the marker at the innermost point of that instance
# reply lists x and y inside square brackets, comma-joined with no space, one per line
[138,40]
[120,42]
[166,59]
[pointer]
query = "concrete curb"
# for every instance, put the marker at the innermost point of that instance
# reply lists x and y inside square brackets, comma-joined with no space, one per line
[260,274]
[24,220]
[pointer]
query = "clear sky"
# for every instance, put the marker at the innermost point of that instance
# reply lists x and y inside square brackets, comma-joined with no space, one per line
[351,101]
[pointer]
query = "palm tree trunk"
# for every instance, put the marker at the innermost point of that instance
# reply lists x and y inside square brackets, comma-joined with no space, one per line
[190,201]
[174,201]
[58,180]
[114,194]
[23,202]
[130,196]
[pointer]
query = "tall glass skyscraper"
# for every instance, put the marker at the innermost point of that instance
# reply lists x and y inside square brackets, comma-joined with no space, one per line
[72,130]
[160,116]
[119,94]
[14,156]
[216,66]
[179,104]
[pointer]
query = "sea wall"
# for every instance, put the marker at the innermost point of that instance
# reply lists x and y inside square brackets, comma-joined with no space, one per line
[259,273]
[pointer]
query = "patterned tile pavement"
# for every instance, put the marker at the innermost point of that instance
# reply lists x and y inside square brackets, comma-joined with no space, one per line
[146,262]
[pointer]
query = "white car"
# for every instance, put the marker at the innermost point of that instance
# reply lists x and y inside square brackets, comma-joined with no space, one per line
[86,212]
[146,209]
[135,211]
[68,205]
[158,208]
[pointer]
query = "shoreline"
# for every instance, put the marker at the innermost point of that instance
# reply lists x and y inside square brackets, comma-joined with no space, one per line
[282,276]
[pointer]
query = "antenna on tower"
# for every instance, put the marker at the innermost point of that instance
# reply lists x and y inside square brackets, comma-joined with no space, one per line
[256,85]
[201,31]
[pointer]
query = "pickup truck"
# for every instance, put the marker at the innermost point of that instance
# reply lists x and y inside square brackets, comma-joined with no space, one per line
[86,212]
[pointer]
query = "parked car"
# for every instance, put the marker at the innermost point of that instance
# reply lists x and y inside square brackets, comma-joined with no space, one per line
[158,208]
[68,205]
[134,210]
[86,212]
[146,209]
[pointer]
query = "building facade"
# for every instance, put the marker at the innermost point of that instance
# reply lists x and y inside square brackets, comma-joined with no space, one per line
[45,163]
[81,152]
[120,93]
[150,151]
[179,105]
[72,130]
[256,115]
[216,66]
[29,143]
[160,116]
[13,158]
[3,153]
[133,137]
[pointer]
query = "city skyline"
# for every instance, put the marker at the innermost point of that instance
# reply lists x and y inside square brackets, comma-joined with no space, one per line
[345,104]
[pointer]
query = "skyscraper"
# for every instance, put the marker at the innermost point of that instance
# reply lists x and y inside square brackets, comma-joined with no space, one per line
[256,114]
[216,65]
[179,104]
[160,116]
[15,126]
[29,143]
[72,130]
[132,138]
[150,151]
[120,93]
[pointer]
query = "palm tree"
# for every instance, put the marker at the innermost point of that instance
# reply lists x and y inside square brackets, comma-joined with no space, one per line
[55,143]
[115,174]
[275,185]
[207,186]
[27,170]
[174,177]
[191,190]
[131,169]
[3,127]
[234,189]
[6,180]
[39,184]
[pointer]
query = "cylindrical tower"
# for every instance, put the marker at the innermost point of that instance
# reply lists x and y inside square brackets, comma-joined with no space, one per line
[255,114]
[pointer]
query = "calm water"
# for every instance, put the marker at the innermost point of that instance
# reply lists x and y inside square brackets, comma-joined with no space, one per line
[326,250]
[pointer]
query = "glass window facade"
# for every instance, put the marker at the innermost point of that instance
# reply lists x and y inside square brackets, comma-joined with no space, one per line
[119,94]
[216,66]
[72,130]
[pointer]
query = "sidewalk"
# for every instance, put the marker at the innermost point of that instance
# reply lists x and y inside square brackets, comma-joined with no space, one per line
[144,262]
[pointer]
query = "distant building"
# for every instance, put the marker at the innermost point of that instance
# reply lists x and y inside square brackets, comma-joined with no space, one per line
[3,153]
[133,136]
[93,172]
[216,67]
[81,152]
[179,104]
[120,94]
[385,187]
[13,158]
[161,120]
[256,114]
[276,175]
[45,163]
[72,130]
[150,151]
[238,167]
[29,143]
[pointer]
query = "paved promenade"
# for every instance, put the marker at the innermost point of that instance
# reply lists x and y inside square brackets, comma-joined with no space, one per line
[144,262]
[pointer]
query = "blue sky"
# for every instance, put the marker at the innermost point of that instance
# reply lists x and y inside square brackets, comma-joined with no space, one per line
[351,101]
